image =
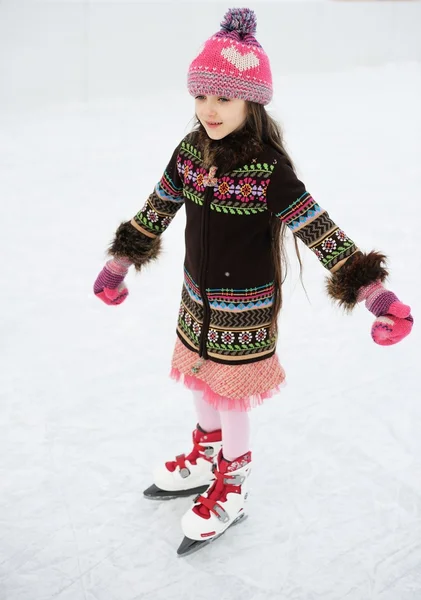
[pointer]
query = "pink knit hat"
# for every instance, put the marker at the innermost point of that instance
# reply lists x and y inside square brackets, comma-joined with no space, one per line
[232,63]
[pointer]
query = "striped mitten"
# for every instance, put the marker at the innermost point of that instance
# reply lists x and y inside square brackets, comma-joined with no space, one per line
[109,285]
[393,318]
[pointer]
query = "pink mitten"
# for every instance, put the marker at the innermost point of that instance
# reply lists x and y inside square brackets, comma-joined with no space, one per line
[394,320]
[109,285]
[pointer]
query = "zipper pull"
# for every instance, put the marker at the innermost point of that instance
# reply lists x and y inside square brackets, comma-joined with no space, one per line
[210,180]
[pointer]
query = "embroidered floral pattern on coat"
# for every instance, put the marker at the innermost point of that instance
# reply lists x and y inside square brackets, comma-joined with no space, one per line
[228,291]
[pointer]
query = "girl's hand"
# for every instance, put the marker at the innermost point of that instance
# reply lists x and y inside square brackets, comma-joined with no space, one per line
[393,318]
[109,285]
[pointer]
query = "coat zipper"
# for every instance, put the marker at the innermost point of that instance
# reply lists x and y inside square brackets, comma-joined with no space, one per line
[202,283]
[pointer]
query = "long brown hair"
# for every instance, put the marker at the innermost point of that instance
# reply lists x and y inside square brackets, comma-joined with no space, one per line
[267,130]
[270,132]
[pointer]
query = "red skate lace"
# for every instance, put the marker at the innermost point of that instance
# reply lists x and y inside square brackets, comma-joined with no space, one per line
[180,461]
[218,492]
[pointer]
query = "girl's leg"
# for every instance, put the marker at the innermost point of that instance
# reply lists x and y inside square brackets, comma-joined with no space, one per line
[207,416]
[235,433]
[191,473]
[217,509]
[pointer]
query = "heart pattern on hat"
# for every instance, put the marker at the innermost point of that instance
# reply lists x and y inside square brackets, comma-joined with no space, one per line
[232,63]
[243,62]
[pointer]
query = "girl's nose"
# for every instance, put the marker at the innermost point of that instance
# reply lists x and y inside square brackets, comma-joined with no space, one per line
[211,107]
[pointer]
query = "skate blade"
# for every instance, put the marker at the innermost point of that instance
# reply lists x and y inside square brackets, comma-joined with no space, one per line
[189,546]
[153,492]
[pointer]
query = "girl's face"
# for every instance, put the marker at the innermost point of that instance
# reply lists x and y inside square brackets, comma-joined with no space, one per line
[220,116]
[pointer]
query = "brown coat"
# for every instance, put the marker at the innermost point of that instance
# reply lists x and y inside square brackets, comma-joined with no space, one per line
[231,190]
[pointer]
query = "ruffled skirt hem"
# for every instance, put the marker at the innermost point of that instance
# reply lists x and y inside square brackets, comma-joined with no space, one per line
[220,402]
[227,387]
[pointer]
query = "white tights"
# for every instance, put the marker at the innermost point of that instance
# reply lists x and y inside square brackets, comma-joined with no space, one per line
[235,426]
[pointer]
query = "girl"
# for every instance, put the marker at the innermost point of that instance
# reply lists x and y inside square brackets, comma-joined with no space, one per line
[240,192]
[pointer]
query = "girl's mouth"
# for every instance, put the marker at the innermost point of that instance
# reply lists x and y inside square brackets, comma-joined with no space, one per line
[213,125]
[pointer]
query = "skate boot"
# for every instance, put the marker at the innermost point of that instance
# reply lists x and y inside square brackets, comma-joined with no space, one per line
[220,507]
[187,475]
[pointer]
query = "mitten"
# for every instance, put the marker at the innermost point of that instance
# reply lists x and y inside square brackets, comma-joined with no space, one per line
[109,285]
[393,318]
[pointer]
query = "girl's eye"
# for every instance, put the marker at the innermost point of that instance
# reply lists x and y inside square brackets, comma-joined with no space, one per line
[221,99]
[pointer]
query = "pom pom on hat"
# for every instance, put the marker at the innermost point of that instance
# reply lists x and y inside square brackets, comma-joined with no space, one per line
[232,63]
[242,20]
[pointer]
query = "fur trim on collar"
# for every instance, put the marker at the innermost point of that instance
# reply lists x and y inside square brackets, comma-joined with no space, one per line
[235,149]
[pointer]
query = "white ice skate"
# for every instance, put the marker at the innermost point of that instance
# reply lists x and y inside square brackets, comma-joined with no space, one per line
[187,475]
[220,507]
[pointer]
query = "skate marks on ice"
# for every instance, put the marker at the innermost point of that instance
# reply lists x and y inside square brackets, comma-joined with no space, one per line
[341,519]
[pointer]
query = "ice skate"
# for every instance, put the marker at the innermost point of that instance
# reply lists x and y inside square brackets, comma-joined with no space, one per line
[187,475]
[220,507]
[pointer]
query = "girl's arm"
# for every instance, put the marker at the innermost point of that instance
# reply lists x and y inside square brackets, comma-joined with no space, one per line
[139,240]
[355,276]
[350,268]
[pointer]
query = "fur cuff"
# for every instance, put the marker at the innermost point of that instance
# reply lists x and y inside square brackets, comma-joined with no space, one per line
[359,270]
[132,244]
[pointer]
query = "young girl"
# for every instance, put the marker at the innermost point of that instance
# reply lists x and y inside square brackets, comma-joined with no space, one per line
[240,192]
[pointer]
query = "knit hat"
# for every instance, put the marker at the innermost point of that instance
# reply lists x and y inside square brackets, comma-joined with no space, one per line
[232,63]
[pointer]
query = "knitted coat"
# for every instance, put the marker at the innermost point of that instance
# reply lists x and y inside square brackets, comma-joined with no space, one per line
[231,190]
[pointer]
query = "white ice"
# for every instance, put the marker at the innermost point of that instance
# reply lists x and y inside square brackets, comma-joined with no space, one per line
[87,407]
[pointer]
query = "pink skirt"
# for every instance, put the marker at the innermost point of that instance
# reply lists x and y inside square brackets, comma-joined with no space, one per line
[227,387]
